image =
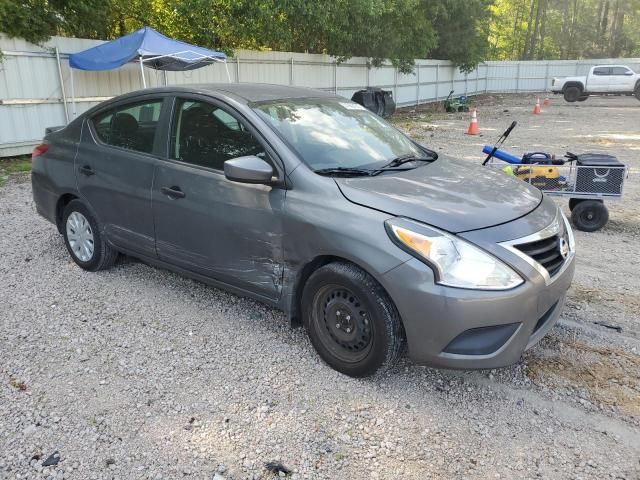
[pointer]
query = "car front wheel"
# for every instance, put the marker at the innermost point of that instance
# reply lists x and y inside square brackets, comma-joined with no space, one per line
[571,94]
[83,239]
[351,321]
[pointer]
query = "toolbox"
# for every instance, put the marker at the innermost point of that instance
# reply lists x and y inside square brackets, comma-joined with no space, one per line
[603,175]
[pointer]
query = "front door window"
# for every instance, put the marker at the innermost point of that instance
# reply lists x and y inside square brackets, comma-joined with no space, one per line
[206,135]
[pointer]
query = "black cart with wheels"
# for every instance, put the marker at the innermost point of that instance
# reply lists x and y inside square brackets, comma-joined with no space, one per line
[587,180]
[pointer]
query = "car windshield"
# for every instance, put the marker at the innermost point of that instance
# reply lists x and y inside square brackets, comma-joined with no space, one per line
[330,133]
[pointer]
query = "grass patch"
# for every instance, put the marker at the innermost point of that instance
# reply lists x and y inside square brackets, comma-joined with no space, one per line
[13,165]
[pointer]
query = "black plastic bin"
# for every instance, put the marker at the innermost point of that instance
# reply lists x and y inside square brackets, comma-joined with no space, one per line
[602,178]
[376,100]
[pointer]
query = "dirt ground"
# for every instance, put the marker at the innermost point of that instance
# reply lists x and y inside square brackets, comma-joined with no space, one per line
[138,373]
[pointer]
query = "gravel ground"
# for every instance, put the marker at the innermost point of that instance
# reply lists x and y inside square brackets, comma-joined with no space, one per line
[139,373]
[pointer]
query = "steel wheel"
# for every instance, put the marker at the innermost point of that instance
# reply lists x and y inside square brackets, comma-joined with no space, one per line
[80,236]
[342,323]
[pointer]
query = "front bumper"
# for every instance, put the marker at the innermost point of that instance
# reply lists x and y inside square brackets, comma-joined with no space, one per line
[460,328]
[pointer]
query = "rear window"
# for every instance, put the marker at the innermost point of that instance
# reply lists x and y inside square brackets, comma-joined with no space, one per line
[130,126]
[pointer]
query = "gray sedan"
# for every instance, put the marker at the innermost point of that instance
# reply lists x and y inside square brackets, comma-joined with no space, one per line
[312,204]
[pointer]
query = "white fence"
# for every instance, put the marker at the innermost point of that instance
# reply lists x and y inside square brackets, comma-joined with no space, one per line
[35,81]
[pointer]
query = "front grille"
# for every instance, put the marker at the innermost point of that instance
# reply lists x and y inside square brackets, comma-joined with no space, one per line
[546,252]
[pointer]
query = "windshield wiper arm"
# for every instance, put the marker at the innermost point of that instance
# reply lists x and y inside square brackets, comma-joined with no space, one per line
[344,171]
[402,159]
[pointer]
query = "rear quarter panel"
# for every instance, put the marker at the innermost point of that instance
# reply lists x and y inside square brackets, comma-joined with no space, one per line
[53,173]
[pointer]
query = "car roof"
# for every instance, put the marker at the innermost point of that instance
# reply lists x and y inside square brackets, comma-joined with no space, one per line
[243,92]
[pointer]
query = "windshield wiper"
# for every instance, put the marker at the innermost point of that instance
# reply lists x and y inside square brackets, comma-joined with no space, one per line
[358,172]
[409,157]
[344,171]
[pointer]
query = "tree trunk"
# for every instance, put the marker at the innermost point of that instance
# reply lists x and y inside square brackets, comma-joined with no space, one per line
[527,40]
[545,4]
[515,44]
[616,29]
[534,37]
[571,46]
[564,30]
[604,22]
[600,9]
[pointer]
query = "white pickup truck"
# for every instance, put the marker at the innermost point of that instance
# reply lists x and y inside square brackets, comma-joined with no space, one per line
[601,80]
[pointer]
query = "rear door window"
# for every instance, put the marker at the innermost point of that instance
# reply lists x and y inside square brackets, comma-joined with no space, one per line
[600,71]
[619,70]
[206,135]
[130,126]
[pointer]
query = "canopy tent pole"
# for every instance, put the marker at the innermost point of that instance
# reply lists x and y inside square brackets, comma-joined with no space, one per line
[226,67]
[144,81]
[73,93]
[64,94]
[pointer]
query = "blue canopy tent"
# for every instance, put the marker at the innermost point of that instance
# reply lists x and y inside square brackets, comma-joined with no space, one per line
[147,47]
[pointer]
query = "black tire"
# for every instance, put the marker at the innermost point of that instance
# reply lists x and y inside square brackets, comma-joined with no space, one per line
[575,201]
[351,321]
[637,93]
[571,94]
[583,98]
[590,215]
[103,256]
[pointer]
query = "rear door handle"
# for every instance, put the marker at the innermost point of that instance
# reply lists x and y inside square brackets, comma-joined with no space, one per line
[173,192]
[86,170]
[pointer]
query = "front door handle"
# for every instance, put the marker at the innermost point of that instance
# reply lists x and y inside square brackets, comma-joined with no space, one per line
[173,192]
[86,170]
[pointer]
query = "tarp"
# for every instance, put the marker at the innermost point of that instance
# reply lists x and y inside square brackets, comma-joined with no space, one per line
[156,51]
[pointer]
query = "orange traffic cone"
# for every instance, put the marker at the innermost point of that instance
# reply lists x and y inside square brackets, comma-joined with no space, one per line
[473,126]
[536,109]
[546,101]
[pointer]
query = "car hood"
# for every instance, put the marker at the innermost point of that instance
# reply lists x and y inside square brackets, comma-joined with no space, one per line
[453,195]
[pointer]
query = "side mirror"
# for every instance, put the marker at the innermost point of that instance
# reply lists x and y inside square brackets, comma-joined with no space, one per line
[249,169]
[628,72]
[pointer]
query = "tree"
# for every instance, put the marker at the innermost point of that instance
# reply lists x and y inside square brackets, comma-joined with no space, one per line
[399,30]
[565,29]
[462,28]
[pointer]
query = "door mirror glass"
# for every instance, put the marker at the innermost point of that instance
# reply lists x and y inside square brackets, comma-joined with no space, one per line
[249,169]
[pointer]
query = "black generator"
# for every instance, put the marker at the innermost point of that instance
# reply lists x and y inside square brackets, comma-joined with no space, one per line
[376,100]
[599,173]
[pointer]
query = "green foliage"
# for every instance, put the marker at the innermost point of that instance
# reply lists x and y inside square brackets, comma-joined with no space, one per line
[10,166]
[546,29]
[462,27]
[398,30]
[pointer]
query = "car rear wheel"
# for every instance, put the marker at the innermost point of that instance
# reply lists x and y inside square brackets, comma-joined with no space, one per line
[83,239]
[351,321]
[571,94]
[590,215]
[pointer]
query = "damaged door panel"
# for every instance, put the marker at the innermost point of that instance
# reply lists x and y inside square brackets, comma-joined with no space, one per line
[207,223]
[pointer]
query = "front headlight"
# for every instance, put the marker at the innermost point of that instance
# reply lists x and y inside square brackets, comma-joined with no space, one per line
[456,262]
